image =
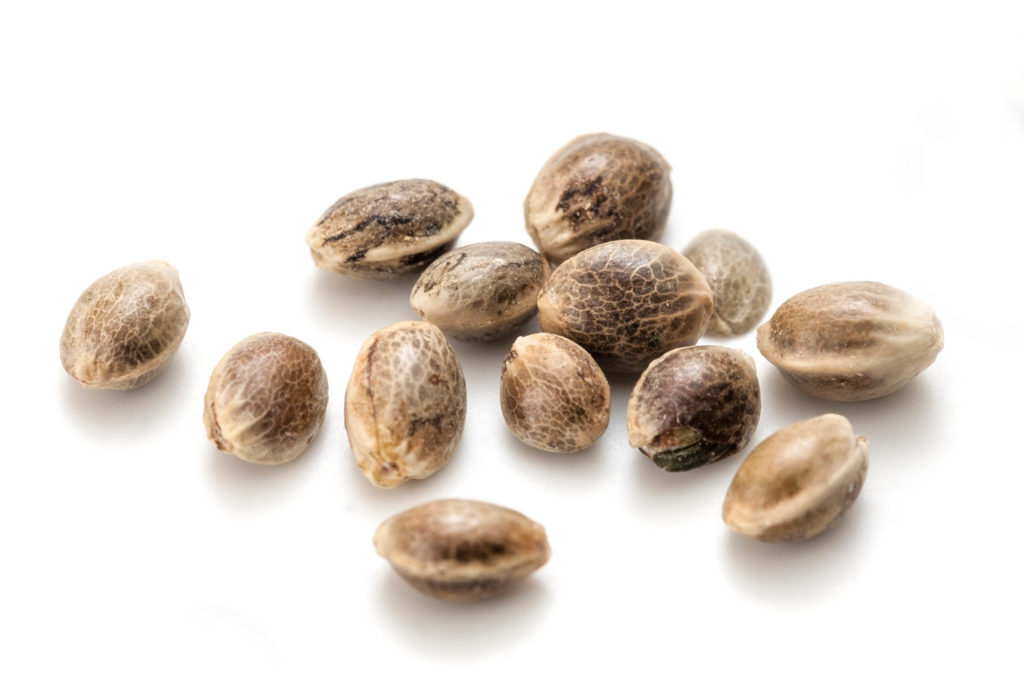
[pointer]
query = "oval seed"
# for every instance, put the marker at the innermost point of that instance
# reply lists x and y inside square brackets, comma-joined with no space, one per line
[796,483]
[626,302]
[266,399]
[597,188]
[383,231]
[405,405]
[694,406]
[851,341]
[125,327]
[480,292]
[462,549]
[553,394]
[738,278]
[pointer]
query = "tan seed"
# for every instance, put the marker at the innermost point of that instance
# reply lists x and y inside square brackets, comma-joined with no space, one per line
[405,405]
[553,394]
[694,406]
[480,292]
[125,327]
[266,399]
[738,278]
[851,341]
[796,483]
[462,549]
[626,302]
[384,231]
[598,188]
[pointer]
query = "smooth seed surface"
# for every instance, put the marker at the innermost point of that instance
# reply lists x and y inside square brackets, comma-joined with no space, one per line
[553,394]
[266,399]
[462,549]
[796,483]
[480,292]
[626,302]
[694,406]
[595,189]
[125,327]
[738,278]
[384,231]
[851,341]
[405,406]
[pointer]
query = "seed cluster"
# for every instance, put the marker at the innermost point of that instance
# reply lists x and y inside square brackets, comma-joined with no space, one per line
[614,301]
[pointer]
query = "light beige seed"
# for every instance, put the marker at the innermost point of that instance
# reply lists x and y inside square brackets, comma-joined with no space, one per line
[553,394]
[405,405]
[796,483]
[626,302]
[462,549]
[851,341]
[125,327]
[738,278]
[598,188]
[693,406]
[384,231]
[266,399]
[480,292]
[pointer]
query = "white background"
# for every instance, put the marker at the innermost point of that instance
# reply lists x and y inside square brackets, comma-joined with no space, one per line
[846,140]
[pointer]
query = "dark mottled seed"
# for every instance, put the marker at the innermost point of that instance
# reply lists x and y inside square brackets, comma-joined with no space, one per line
[738,278]
[384,231]
[851,341]
[480,292]
[796,483]
[462,549]
[266,399]
[626,302]
[125,327]
[597,188]
[405,405]
[553,394]
[693,406]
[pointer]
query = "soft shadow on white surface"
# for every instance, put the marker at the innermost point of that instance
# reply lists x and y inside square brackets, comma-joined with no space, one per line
[242,485]
[656,491]
[804,570]
[444,629]
[579,470]
[345,304]
[123,415]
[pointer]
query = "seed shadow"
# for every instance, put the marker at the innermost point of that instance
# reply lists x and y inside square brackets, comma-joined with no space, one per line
[680,493]
[349,304]
[243,485]
[126,415]
[465,630]
[803,570]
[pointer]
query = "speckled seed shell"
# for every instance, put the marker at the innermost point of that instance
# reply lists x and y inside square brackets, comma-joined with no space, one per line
[738,278]
[598,188]
[851,341]
[384,231]
[462,549]
[626,302]
[266,399]
[796,483]
[405,405]
[480,292]
[694,406]
[553,394]
[125,327]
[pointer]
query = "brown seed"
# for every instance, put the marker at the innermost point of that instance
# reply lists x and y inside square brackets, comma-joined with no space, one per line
[125,327]
[694,406]
[384,231]
[266,399]
[796,483]
[462,549]
[738,278]
[851,341]
[626,302]
[405,405]
[597,188]
[553,394]
[480,292]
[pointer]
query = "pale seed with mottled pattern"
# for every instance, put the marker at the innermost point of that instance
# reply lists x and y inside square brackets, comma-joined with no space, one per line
[462,549]
[738,278]
[553,394]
